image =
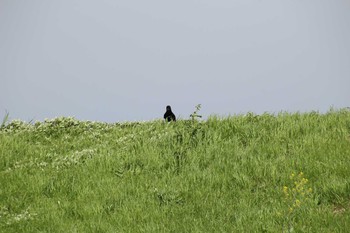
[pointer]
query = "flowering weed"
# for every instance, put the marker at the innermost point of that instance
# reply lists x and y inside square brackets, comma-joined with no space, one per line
[296,200]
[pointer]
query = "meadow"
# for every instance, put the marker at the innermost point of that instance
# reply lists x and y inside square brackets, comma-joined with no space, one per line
[285,172]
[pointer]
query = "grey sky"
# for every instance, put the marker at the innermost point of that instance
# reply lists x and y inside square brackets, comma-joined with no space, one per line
[111,60]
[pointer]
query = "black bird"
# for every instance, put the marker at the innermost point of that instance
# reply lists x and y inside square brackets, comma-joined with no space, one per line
[169,115]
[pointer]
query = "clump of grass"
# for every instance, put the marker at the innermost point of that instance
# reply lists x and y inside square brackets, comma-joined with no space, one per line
[186,138]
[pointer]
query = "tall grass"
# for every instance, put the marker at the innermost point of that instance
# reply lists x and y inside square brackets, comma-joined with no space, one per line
[232,174]
[4,120]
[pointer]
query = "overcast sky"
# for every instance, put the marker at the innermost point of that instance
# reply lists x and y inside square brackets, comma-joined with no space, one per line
[113,60]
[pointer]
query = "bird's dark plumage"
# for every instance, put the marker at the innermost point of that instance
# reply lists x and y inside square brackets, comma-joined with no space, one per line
[169,115]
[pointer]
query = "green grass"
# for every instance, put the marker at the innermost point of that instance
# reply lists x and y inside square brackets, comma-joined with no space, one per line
[231,174]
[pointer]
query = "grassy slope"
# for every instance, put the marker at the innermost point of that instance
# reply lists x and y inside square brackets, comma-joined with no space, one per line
[220,175]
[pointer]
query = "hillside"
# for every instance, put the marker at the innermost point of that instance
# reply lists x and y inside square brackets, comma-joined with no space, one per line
[244,173]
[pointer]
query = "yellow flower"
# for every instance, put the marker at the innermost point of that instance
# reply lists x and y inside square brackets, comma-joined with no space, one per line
[292,176]
[304,181]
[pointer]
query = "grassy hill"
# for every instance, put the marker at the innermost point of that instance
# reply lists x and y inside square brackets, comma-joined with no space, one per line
[245,173]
